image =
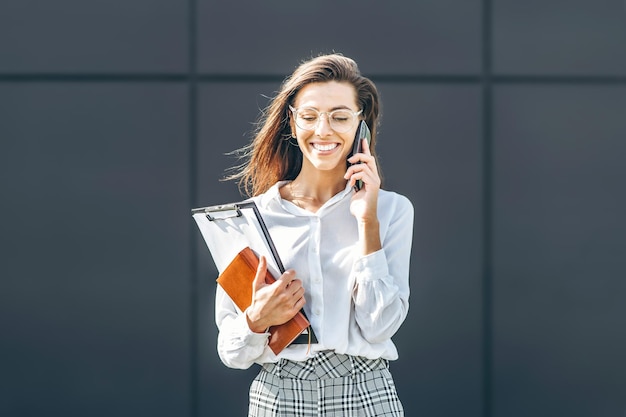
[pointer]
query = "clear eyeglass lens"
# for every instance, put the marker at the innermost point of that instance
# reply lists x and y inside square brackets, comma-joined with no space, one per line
[340,120]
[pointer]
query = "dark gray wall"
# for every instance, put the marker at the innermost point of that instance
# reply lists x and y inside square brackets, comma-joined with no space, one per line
[503,121]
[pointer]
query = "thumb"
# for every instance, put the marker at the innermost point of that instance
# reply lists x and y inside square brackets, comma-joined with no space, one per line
[259,278]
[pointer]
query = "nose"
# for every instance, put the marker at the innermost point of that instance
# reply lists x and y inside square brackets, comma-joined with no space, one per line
[323,125]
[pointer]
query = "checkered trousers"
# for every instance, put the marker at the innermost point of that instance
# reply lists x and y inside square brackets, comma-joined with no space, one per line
[326,385]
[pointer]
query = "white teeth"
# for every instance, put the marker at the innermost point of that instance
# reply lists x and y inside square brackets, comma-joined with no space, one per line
[321,147]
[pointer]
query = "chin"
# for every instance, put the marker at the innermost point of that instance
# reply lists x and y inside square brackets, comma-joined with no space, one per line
[330,166]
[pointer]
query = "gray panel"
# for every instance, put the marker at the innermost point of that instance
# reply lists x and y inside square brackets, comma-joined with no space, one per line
[434,36]
[227,113]
[571,37]
[94,236]
[430,150]
[74,35]
[559,239]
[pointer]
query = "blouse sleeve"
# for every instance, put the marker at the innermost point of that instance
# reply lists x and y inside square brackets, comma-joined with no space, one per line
[238,346]
[381,293]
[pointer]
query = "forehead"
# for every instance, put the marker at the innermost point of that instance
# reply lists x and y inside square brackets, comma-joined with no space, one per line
[327,95]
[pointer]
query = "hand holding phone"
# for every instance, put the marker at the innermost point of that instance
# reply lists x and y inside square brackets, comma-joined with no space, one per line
[363,132]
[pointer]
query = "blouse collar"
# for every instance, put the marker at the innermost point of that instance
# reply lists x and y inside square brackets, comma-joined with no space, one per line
[273,196]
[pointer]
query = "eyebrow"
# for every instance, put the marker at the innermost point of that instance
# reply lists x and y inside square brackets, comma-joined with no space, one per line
[340,107]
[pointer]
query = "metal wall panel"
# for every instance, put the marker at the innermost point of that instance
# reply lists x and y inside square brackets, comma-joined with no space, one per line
[94,311]
[96,37]
[393,37]
[559,37]
[559,239]
[227,112]
[430,150]
[106,288]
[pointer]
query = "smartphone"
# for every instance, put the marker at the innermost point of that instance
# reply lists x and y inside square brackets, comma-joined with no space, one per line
[363,132]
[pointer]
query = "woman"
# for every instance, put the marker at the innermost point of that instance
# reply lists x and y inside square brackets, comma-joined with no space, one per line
[348,252]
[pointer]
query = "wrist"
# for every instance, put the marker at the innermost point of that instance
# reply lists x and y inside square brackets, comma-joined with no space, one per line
[369,236]
[368,222]
[255,324]
[368,228]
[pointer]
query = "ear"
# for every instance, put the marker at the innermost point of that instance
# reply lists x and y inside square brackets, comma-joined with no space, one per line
[292,124]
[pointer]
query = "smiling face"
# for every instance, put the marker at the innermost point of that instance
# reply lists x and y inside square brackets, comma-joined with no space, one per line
[323,148]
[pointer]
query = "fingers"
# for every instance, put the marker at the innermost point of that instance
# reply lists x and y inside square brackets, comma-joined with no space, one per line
[293,285]
[297,295]
[274,303]
[365,150]
[358,158]
[293,290]
[363,167]
[299,304]
[363,172]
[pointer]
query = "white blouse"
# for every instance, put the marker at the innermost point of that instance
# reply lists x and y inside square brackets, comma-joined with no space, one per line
[355,303]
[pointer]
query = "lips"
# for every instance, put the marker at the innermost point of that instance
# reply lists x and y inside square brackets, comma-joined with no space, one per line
[324,147]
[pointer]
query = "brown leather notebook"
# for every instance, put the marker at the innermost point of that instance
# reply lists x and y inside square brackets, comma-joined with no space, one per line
[236,280]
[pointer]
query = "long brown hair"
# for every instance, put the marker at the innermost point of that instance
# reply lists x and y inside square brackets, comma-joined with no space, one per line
[272,156]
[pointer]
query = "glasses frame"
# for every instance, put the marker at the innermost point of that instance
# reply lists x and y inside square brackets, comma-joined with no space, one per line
[354,114]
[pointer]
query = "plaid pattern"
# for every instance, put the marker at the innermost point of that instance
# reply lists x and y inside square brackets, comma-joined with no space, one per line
[328,385]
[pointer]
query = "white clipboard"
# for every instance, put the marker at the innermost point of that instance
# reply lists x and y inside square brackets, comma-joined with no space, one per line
[229,228]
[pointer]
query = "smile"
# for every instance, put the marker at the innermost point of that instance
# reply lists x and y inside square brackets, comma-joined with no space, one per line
[325,147]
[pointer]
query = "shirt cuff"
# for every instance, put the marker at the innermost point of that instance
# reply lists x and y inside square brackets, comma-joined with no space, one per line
[247,336]
[371,267]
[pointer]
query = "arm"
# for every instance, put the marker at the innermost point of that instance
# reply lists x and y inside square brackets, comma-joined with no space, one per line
[243,337]
[237,346]
[381,293]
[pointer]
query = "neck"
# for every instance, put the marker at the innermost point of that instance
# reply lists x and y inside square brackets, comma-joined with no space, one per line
[310,192]
[317,184]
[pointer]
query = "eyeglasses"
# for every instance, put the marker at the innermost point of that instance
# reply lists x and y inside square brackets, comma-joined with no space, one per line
[341,120]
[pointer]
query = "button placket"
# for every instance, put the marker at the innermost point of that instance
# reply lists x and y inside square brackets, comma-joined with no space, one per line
[315,266]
